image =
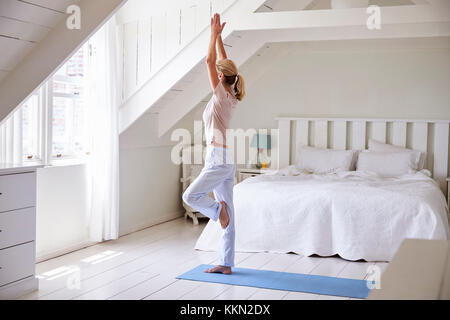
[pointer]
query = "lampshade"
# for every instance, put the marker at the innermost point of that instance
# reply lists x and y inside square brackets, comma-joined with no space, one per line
[261,141]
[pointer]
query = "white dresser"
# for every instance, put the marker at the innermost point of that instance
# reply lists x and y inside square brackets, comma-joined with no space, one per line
[17,230]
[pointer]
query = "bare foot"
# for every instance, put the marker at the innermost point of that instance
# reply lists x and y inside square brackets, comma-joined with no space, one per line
[223,216]
[219,269]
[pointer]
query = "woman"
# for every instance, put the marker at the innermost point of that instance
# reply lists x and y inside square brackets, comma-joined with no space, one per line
[219,171]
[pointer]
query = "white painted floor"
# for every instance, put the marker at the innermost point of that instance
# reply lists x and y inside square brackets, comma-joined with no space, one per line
[144,264]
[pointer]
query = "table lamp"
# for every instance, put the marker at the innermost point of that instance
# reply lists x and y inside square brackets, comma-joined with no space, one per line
[261,142]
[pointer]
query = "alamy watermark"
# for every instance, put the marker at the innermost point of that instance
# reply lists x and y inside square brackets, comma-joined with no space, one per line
[374,19]
[190,149]
[73,21]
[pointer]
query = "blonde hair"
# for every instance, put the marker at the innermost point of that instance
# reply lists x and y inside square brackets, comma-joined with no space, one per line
[232,77]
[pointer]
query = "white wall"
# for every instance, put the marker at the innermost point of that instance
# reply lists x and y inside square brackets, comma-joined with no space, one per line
[61,210]
[150,191]
[150,188]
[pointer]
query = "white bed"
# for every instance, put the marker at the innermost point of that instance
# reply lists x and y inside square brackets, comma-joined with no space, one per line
[354,214]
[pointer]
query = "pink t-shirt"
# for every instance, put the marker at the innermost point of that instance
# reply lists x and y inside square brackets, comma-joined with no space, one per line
[217,115]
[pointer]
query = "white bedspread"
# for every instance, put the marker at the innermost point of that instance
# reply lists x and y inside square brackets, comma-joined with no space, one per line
[354,214]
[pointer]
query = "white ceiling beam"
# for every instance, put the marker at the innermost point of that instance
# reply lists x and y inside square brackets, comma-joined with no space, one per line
[48,55]
[347,17]
[285,5]
[392,31]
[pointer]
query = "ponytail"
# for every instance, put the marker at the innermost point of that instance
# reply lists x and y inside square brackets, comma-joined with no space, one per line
[239,87]
[232,77]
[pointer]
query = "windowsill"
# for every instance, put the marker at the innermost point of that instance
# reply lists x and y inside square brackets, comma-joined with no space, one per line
[58,163]
[67,162]
[32,163]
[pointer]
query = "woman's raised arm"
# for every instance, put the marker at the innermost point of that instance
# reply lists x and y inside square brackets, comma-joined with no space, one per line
[221,48]
[216,30]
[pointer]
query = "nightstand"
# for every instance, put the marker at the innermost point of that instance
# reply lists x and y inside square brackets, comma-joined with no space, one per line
[244,173]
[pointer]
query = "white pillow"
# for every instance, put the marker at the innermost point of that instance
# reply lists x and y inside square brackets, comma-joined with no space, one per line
[417,157]
[320,161]
[388,164]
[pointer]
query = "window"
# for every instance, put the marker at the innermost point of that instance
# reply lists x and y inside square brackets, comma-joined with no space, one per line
[31,126]
[69,125]
[51,125]
[53,119]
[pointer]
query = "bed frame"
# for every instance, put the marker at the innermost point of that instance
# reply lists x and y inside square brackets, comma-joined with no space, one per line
[431,136]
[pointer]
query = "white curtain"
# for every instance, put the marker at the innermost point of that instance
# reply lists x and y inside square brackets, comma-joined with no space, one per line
[11,150]
[102,113]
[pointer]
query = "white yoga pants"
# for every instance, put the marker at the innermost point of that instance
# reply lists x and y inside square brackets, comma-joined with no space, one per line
[218,176]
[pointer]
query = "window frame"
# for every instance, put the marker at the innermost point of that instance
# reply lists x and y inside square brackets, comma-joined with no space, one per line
[44,126]
[70,157]
[39,157]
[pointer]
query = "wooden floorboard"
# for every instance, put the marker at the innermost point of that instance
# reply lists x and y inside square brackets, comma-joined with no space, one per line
[144,265]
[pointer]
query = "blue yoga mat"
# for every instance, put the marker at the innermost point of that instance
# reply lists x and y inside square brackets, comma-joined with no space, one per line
[282,281]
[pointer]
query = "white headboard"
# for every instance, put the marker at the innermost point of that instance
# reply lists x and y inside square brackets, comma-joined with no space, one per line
[431,136]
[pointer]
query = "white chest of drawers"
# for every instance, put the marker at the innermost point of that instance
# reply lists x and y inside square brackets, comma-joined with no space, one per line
[17,230]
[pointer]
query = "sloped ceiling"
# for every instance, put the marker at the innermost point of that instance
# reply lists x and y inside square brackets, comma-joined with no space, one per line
[34,42]
[23,24]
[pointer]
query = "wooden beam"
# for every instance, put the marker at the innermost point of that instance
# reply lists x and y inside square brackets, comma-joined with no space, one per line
[52,52]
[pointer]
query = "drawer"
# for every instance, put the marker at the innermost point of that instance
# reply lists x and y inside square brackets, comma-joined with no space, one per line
[17,227]
[17,263]
[17,191]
